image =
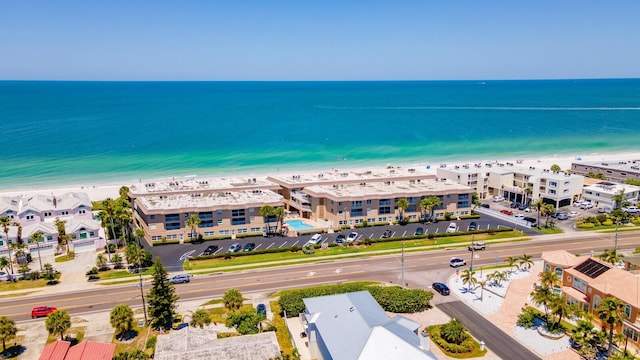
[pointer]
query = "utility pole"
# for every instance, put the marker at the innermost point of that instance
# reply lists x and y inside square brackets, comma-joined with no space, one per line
[144,306]
[402,261]
[615,241]
[472,250]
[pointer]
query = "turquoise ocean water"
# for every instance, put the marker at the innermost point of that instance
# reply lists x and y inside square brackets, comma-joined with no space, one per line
[63,133]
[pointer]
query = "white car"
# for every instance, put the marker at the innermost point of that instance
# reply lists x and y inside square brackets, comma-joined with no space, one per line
[352,237]
[519,216]
[315,239]
[452,228]
[498,199]
[631,209]
[572,214]
[586,205]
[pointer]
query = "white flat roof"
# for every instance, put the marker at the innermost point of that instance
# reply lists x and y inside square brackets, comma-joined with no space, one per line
[337,176]
[229,199]
[507,168]
[192,184]
[388,189]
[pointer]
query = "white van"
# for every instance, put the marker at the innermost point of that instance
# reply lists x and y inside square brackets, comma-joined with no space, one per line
[452,227]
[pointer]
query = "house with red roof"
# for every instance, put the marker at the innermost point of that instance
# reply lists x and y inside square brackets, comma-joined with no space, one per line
[87,350]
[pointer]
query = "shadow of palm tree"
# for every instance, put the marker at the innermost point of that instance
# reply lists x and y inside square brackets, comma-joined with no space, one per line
[465,290]
[13,351]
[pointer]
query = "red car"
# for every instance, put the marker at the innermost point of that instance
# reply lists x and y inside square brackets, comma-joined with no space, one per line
[39,311]
[507,212]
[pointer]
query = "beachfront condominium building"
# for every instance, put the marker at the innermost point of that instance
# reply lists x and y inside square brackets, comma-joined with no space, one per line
[614,171]
[338,199]
[586,280]
[605,194]
[516,182]
[225,207]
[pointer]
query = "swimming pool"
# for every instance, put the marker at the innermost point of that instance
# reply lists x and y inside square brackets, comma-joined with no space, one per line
[298,225]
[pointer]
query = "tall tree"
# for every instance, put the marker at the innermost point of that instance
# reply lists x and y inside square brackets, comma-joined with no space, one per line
[193,221]
[5,222]
[547,211]
[139,234]
[58,322]
[555,167]
[37,237]
[454,332]
[245,322]
[107,214]
[121,318]
[4,263]
[525,261]
[232,299]
[101,261]
[280,212]
[8,330]
[611,256]
[538,205]
[267,213]
[511,262]
[611,311]
[403,205]
[162,298]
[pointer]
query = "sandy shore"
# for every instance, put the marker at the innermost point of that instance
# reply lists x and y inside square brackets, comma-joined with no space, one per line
[102,191]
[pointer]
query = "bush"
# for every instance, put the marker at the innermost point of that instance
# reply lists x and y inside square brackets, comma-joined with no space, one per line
[151,342]
[464,347]
[583,225]
[607,222]
[93,271]
[526,318]
[393,299]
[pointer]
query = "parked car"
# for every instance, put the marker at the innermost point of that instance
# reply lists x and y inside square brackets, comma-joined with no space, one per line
[605,209]
[315,239]
[452,227]
[562,216]
[519,216]
[341,239]
[631,209]
[523,207]
[441,288]
[262,309]
[578,203]
[498,199]
[586,205]
[39,311]
[456,262]
[235,248]
[478,245]
[249,247]
[419,231]
[514,205]
[473,226]
[506,212]
[210,250]
[572,214]
[352,237]
[386,234]
[486,206]
[531,220]
[180,279]
[177,322]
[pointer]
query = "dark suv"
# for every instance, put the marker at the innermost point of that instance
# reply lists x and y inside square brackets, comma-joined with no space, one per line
[211,249]
[386,234]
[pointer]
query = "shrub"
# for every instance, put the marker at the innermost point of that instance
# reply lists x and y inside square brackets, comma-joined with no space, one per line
[607,222]
[583,225]
[526,318]
[464,347]
[151,342]
[93,271]
[601,218]
[447,216]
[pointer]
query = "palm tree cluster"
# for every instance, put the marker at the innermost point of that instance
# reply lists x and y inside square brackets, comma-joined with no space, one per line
[612,256]
[522,262]
[548,296]
[269,213]
[427,205]
[116,217]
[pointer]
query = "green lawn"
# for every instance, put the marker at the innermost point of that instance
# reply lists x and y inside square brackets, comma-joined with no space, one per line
[22,284]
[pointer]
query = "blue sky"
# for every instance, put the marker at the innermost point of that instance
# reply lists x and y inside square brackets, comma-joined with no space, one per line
[318,40]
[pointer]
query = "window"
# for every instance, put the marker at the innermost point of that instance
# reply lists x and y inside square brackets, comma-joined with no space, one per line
[568,279]
[64,213]
[92,233]
[152,217]
[156,238]
[369,202]
[547,267]
[256,229]
[242,231]
[627,311]
[208,233]
[580,284]
[219,212]
[384,210]
[382,202]
[553,183]
[356,204]
[224,232]
[82,211]
[29,217]
[382,219]
[47,213]
[558,271]
[220,222]
[596,301]
[629,332]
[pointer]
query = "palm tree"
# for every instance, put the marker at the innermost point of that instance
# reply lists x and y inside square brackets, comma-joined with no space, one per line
[280,212]
[107,214]
[610,256]
[549,278]
[527,193]
[4,263]
[453,332]
[121,318]
[468,278]
[63,237]
[267,213]
[538,204]
[525,262]
[511,262]
[403,205]
[543,295]
[58,322]
[116,259]
[200,318]
[555,167]
[5,222]
[582,334]
[101,261]
[139,234]
[8,330]
[37,237]
[232,299]
[548,210]
[19,232]
[481,285]
[560,308]
[193,221]
[611,311]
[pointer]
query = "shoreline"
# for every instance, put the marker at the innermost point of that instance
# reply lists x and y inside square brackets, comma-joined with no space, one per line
[98,191]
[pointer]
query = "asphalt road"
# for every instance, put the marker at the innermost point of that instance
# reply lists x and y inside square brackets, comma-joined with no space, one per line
[494,338]
[421,270]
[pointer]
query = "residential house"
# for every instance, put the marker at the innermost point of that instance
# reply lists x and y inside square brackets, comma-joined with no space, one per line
[86,350]
[587,280]
[354,326]
[37,208]
[604,193]
[194,343]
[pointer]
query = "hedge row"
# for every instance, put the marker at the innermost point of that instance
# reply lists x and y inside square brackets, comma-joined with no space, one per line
[393,299]
[464,347]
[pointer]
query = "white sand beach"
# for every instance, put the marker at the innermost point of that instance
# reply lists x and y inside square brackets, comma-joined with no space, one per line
[99,192]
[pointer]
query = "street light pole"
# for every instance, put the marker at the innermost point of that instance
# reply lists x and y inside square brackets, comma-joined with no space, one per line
[144,306]
[402,261]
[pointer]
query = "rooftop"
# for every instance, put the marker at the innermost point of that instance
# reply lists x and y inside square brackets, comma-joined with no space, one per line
[507,168]
[632,166]
[389,188]
[192,184]
[226,199]
[356,176]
